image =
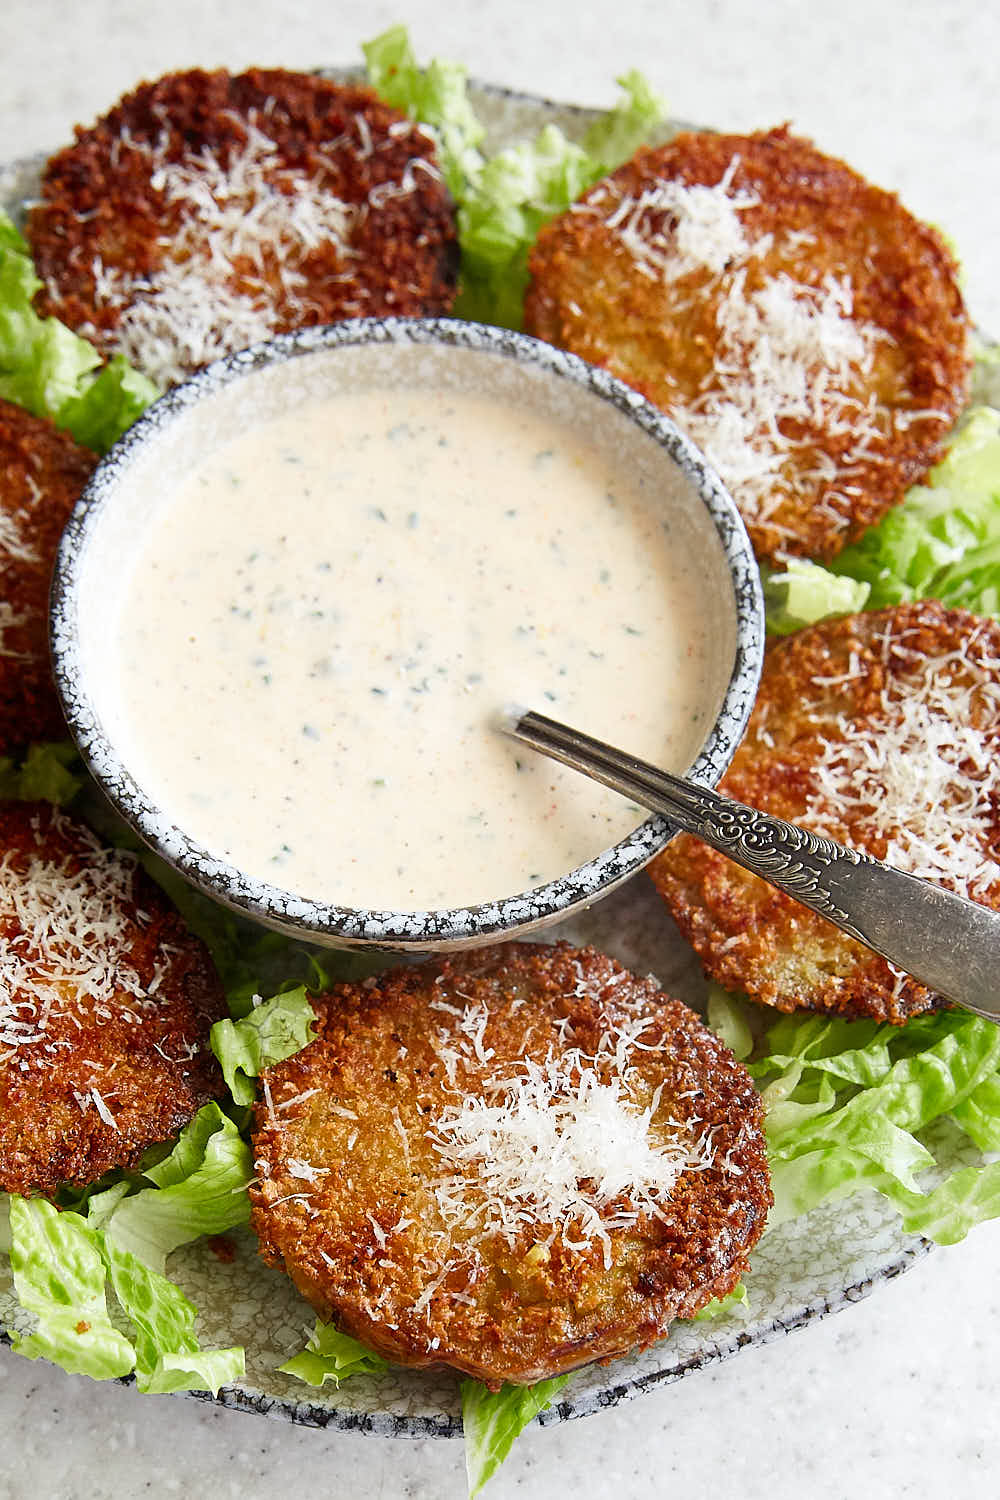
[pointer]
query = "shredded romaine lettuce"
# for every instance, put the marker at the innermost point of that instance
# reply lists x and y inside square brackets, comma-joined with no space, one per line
[848,1105]
[803,592]
[618,133]
[504,200]
[167,1354]
[60,1276]
[331,1355]
[274,1029]
[436,96]
[492,1420]
[107,406]
[730,1019]
[943,542]
[50,772]
[719,1307]
[200,1188]
[47,368]
[499,217]
[62,1265]
[947,1213]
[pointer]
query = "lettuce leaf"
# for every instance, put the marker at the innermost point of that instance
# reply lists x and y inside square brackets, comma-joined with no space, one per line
[274,1029]
[332,1355]
[11,237]
[167,1354]
[719,1307]
[62,1264]
[804,592]
[492,1420]
[978,1114]
[436,96]
[201,1188]
[947,1213]
[499,217]
[59,1276]
[504,200]
[47,368]
[848,1105]
[50,772]
[103,409]
[943,542]
[729,1018]
[620,131]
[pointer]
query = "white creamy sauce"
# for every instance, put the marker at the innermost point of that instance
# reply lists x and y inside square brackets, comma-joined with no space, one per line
[330,611]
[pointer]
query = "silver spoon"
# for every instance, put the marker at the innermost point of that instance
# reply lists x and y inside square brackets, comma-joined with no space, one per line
[950,944]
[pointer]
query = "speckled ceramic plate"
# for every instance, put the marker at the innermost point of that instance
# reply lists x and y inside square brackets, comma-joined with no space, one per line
[801,1271]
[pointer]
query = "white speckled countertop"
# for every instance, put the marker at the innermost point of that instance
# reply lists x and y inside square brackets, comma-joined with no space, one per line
[898,1395]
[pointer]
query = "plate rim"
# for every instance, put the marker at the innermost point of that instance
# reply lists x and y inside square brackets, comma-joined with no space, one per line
[377,1423]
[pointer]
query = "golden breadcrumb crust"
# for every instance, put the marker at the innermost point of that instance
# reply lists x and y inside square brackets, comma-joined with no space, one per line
[42,472]
[662,335]
[143,1047]
[346,1198]
[103,210]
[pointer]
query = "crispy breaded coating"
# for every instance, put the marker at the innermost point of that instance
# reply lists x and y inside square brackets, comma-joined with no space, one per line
[511,1162]
[42,472]
[206,212]
[882,731]
[799,324]
[106,1001]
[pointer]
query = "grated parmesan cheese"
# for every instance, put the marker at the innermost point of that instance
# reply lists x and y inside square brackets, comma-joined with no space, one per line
[561,1144]
[102,1108]
[13,542]
[298,1099]
[65,941]
[787,354]
[232,271]
[923,771]
[671,230]
[790,357]
[305,1171]
[379,1233]
[12,619]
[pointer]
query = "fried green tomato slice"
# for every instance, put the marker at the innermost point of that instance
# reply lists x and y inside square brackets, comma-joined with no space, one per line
[801,326]
[42,472]
[882,731]
[106,1001]
[511,1163]
[208,211]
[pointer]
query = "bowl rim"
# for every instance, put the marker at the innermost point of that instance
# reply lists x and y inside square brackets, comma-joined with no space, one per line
[411,931]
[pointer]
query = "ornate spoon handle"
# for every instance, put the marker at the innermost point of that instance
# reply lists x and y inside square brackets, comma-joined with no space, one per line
[947,942]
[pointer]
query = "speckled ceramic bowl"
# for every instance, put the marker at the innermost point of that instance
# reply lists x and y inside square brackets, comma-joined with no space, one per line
[143,470]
